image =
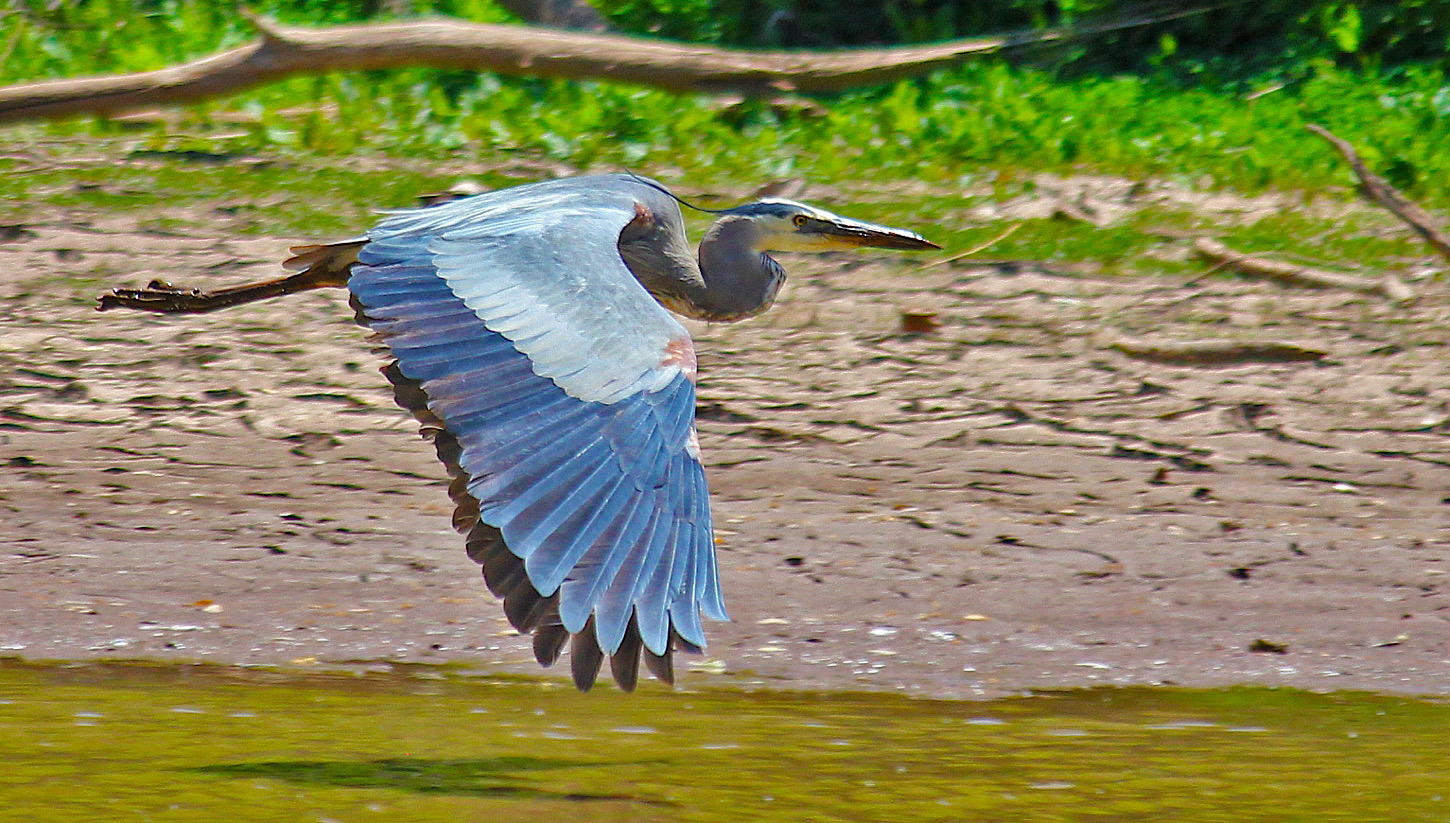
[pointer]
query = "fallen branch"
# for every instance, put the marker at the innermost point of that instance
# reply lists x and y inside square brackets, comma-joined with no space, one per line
[1379,190]
[1295,275]
[514,50]
[1215,352]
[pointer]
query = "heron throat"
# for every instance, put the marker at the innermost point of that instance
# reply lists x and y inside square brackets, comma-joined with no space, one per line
[737,279]
[732,279]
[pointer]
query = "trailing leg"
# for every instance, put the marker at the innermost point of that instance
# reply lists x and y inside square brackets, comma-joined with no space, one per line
[322,266]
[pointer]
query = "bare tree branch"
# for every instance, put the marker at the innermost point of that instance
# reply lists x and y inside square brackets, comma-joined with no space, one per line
[516,50]
[1379,190]
[1216,352]
[1304,276]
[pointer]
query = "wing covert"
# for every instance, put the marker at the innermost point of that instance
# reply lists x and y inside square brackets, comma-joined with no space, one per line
[540,265]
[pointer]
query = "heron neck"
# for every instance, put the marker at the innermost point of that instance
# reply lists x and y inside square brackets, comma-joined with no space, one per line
[737,279]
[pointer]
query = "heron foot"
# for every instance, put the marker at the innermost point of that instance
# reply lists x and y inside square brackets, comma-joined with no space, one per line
[161,296]
[157,296]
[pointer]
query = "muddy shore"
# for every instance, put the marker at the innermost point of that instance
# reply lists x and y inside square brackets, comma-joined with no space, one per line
[1005,503]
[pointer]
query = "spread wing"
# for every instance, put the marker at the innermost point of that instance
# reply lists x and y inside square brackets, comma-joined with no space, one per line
[560,396]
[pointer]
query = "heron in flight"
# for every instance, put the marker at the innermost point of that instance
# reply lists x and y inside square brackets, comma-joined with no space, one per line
[531,337]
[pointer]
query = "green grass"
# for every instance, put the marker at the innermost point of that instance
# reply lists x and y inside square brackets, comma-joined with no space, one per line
[958,122]
[315,156]
[962,122]
[301,196]
[981,116]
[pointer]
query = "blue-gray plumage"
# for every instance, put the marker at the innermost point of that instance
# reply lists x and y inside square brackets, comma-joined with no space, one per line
[530,337]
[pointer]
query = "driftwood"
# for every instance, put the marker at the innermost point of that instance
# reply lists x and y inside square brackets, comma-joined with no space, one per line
[1379,190]
[516,50]
[1295,275]
[1215,352]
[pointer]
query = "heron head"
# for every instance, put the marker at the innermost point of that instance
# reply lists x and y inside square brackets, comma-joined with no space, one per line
[785,225]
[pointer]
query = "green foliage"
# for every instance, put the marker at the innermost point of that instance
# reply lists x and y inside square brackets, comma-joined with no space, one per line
[818,23]
[1276,37]
[955,125]
[1241,39]
[39,38]
[975,122]
[694,20]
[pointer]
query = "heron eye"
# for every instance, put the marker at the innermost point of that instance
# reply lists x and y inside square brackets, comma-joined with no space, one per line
[799,220]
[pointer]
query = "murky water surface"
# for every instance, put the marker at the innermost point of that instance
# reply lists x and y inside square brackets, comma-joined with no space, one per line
[133,742]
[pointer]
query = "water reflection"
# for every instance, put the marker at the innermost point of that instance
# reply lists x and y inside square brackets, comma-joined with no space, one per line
[189,743]
[491,777]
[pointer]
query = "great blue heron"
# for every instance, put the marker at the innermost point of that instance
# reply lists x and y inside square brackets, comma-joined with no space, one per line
[530,339]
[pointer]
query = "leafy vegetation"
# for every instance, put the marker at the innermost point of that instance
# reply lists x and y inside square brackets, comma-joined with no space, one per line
[978,118]
[987,124]
[1236,40]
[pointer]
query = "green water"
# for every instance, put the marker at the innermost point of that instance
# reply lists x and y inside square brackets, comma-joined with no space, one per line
[162,743]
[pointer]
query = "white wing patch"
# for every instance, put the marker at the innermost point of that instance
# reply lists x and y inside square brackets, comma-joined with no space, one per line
[548,276]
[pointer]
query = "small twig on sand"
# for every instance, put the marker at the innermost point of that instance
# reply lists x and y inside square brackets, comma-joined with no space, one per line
[1296,275]
[975,249]
[1379,190]
[1215,352]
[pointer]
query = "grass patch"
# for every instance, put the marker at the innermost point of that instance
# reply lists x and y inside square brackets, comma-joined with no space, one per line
[937,129]
[299,196]
[318,156]
[318,198]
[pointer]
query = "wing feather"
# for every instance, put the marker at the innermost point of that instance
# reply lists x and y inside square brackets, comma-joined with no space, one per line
[597,569]
[543,500]
[505,495]
[652,601]
[616,606]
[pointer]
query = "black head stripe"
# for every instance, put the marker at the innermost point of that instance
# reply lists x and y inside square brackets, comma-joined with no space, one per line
[766,208]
